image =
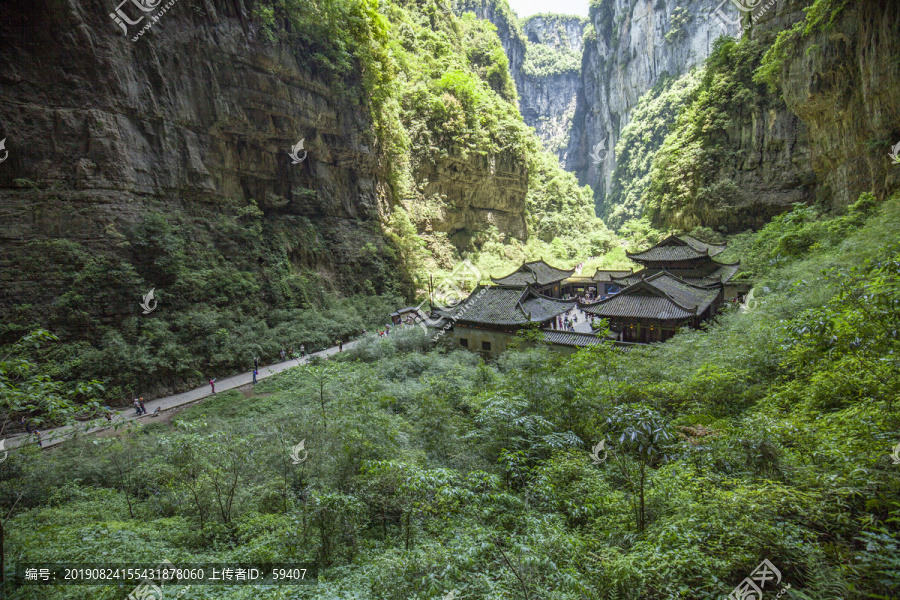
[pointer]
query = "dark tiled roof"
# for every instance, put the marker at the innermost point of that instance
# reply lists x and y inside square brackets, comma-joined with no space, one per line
[721,272]
[677,248]
[534,273]
[571,338]
[661,296]
[605,275]
[507,306]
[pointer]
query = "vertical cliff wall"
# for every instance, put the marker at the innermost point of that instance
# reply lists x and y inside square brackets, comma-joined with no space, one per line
[843,81]
[544,53]
[194,120]
[636,43]
[551,77]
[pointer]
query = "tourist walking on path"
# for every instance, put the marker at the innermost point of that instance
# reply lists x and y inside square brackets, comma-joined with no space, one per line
[282,354]
[137,407]
[340,345]
[38,435]
[26,425]
[302,350]
[255,372]
[143,408]
[212,384]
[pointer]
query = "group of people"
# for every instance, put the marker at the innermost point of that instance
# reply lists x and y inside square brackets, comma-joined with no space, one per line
[568,320]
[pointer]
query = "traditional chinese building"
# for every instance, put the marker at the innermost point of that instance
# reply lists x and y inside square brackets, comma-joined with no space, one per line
[490,317]
[598,285]
[655,307]
[690,260]
[543,278]
[608,282]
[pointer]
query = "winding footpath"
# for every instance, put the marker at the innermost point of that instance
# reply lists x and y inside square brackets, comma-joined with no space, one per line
[52,437]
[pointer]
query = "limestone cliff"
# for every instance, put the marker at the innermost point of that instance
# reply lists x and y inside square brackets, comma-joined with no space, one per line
[843,82]
[636,43]
[551,77]
[508,29]
[193,119]
[544,53]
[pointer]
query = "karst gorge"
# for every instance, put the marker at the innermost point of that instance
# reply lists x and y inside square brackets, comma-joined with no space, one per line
[450,299]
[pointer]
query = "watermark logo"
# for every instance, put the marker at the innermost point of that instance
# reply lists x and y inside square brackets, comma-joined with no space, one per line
[751,588]
[595,455]
[5,151]
[295,452]
[6,452]
[744,6]
[894,153]
[722,18]
[121,17]
[296,160]
[451,595]
[450,292]
[146,303]
[750,303]
[598,155]
[146,591]
[895,457]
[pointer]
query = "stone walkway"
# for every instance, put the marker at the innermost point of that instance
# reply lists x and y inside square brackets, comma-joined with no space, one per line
[51,437]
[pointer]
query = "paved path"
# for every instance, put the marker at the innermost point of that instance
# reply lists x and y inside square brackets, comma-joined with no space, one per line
[51,437]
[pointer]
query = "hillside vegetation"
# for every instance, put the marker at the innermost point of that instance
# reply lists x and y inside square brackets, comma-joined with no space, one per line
[765,436]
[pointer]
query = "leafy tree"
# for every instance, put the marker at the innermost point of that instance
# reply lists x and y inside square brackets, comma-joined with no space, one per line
[645,439]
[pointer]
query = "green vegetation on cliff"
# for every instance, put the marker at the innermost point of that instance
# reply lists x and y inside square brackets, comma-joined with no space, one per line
[652,119]
[454,101]
[689,179]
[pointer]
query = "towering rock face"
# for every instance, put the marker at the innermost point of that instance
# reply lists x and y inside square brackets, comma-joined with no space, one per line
[544,53]
[551,77]
[636,42]
[463,200]
[193,119]
[844,83]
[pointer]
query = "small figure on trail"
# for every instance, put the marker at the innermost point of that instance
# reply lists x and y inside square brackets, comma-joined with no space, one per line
[38,436]
[212,384]
[340,345]
[137,406]
[282,354]
[302,350]
[157,411]
[255,362]
[107,413]
[143,408]
[255,373]
[26,425]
